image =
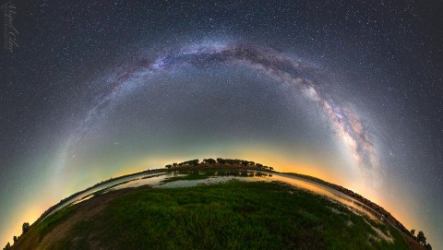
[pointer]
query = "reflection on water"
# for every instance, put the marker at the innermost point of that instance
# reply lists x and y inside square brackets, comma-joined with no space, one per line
[180,178]
[189,178]
[328,192]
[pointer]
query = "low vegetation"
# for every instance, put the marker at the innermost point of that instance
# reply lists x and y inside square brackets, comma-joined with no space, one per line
[233,215]
[32,235]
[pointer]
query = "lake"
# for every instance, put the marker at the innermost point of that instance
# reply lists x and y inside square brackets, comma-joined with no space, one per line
[189,178]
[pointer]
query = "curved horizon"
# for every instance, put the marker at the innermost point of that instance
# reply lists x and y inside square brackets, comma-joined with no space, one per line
[346,92]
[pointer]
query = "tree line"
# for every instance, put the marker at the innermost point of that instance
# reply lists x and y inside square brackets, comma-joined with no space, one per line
[25,229]
[210,162]
[421,238]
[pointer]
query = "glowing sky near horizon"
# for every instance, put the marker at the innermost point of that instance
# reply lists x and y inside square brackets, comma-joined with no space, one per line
[101,90]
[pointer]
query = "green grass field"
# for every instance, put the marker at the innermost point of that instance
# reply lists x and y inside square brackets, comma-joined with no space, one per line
[232,215]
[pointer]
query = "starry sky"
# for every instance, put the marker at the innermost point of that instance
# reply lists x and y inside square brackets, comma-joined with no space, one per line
[347,91]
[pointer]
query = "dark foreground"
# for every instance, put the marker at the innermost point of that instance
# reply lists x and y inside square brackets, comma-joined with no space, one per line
[233,215]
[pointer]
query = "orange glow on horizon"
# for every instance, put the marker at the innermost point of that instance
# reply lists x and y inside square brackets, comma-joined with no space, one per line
[280,164]
[29,215]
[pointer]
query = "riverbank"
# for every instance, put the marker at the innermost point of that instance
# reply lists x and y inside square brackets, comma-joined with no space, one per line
[232,215]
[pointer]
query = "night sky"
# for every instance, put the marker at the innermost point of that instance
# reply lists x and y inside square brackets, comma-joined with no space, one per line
[347,91]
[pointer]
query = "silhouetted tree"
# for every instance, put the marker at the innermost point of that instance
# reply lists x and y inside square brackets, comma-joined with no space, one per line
[271,168]
[413,232]
[7,247]
[190,163]
[229,161]
[421,238]
[15,238]
[168,166]
[25,227]
[428,247]
[221,160]
[209,161]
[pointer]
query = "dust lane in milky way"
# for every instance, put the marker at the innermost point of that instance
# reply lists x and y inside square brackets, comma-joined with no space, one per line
[347,91]
[276,65]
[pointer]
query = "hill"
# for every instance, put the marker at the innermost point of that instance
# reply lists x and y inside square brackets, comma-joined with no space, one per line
[232,215]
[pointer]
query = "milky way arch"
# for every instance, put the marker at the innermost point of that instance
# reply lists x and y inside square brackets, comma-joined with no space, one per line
[282,68]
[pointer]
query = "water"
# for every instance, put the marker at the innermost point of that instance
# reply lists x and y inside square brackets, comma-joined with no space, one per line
[177,178]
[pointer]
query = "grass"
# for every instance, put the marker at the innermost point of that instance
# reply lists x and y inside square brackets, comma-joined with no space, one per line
[36,233]
[232,215]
